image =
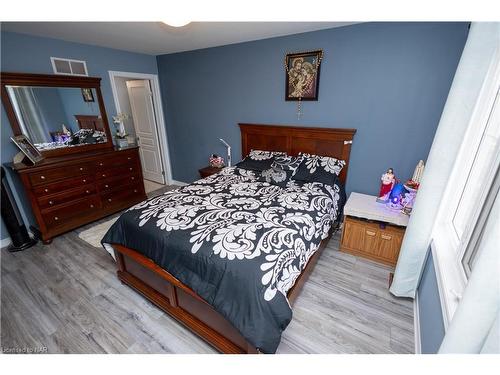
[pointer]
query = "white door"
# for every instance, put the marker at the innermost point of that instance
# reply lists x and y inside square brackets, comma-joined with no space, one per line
[143,114]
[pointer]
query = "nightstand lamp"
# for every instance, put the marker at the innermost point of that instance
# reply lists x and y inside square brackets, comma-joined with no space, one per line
[228,151]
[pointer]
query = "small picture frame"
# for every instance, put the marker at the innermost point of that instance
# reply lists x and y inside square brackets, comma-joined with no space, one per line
[27,148]
[88,95]
[302,75]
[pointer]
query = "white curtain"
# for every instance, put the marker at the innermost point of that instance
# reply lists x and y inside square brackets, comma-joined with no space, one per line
[28,113]
[478,53]
[474,327]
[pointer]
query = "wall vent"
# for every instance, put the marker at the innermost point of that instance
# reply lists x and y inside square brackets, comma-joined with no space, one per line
[69,67]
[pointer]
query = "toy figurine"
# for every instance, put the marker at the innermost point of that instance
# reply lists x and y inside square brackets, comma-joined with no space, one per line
[388,182]
[412,187]
[396,196]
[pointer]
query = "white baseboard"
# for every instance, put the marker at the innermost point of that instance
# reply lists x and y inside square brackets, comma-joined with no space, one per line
[5,242]
[180,183]
[416,324]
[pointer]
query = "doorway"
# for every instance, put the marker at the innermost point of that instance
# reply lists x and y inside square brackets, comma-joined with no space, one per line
[137,95]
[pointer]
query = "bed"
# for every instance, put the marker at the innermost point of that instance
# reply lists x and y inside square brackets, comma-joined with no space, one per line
[228,255]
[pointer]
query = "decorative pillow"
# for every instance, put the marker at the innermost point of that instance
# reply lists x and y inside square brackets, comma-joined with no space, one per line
[276,176]
[315,168]
[264,155]
[259,160]
[288,163]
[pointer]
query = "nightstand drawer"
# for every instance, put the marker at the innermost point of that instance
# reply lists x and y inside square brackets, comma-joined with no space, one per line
[372,240]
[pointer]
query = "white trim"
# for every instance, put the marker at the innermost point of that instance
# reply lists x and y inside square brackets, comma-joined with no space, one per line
[52,58]
[440,278]
[416,325]
[5,242]
[175,182]
[160,121]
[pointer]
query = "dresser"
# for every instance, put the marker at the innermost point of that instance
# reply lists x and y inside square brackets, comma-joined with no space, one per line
[372,230]
[70,191]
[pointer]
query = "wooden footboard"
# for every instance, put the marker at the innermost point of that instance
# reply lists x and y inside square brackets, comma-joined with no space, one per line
[182,303]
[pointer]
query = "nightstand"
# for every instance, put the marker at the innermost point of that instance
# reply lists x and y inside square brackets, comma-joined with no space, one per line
[372,230]
[207,171]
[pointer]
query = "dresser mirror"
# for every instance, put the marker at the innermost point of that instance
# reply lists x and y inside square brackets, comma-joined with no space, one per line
[58,114]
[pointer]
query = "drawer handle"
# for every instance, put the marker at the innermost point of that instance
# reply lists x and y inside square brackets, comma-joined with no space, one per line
[103,175]
[135,190]
[130,168]
[101,164]
[84,180]
[87,191]
[132,178]
[129,158]
[106,186]
[81,168]
[370,233]
[56,218]
[46,190]
[91,206]
[42,177]
[386,237]
[51,203]
[109,199]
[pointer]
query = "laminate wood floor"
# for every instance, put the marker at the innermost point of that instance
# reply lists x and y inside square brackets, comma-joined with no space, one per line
[65,297]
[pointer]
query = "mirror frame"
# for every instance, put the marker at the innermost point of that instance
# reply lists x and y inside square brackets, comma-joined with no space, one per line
[53,80]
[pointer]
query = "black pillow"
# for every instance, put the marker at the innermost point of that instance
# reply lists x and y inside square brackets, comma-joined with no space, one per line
[315,168]
[259,160]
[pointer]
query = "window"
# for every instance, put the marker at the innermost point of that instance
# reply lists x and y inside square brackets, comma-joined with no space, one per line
[479,191]
[69,67]
[472,188]
[472,250]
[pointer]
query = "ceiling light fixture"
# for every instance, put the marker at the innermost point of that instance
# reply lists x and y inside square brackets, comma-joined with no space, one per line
[177,22]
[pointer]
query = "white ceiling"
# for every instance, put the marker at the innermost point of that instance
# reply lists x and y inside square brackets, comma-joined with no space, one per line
[156,38]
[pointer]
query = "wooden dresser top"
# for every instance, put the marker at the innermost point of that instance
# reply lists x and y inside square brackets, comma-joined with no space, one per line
[77,157]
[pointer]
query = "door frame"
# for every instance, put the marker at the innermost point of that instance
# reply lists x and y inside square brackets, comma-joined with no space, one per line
[158,107]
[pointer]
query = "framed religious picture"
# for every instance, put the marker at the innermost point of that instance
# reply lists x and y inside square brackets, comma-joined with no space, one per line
[302,75]
[28,150]
[87,94]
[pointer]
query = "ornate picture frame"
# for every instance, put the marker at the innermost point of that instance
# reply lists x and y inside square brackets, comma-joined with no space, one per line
[27,148]
[302,75]
[87,94]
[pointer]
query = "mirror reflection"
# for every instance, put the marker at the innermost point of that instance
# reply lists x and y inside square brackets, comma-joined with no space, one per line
[55,117]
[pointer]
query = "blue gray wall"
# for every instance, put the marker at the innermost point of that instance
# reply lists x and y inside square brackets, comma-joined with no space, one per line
[74,104]
[29,54]
[388,80]
[430,313]
[51,107]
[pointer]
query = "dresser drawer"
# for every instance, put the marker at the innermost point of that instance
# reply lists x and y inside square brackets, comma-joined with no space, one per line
[115,182]
[62,185]
[126,159]
[56,174]
[58,216]
[66,196]
[118,171]
[121,198]
[372,240]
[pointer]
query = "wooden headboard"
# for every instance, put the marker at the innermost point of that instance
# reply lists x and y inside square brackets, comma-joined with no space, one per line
[294,139]
[89,122]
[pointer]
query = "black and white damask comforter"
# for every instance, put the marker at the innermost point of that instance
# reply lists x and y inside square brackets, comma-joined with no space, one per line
[240,244]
